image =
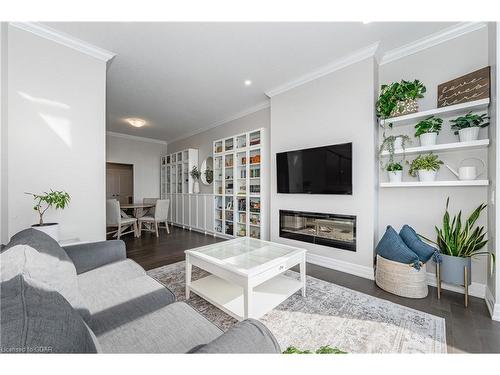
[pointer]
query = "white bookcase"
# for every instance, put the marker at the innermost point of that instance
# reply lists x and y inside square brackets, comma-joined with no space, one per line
[238,185]
[176,182]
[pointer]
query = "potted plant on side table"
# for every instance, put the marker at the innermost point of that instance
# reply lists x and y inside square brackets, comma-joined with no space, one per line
[427,130]
[56,199]
[196,174]
[457,242]
[467,127]
[425,167]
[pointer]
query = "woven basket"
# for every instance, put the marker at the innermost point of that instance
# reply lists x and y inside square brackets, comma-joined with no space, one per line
[401,279]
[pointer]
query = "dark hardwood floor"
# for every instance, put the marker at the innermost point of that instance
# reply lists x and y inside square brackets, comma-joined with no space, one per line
[467,329]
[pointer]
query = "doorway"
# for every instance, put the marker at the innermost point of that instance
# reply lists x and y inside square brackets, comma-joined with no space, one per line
[120,182]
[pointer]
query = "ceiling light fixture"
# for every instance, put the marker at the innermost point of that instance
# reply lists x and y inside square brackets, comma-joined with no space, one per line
[136,122]
[366,22]
[248,82]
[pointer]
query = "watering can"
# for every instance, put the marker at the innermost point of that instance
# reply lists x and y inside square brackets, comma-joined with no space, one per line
[467,173]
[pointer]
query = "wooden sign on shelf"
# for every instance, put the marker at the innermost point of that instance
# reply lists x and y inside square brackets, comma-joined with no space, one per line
[470,87]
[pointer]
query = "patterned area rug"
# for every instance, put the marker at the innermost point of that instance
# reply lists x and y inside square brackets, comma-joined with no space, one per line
[330,315]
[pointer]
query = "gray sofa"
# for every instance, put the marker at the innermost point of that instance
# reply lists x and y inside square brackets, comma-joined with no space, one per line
[90,298]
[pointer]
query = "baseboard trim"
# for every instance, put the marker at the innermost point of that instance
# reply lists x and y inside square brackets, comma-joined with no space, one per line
[494,308]
[340,265]
[475,289]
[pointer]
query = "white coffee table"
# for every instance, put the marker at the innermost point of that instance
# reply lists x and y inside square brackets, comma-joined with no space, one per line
[246,278]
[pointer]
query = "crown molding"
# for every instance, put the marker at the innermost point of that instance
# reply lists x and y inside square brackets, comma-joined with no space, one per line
[135,137]
[338,64]
[64,39]
[236,116]
[432,40]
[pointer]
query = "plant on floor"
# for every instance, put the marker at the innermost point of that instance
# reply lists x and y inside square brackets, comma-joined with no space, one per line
[195,173]
[429,125]
[393,96]
[388,145]
[469,121]
[429,162]
[56,199]
[394,167]
[322,350]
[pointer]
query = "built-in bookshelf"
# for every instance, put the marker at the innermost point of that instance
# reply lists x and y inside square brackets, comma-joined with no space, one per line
[237,186]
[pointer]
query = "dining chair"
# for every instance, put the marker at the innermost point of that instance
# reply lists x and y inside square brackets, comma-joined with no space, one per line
[114,219]
[150,211]
[160,216]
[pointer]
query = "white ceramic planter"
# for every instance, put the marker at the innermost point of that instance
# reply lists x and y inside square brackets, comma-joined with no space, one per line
[428,139]
[398,143]
[468,134]
[52,229]
[196,187]
[426,176]
[395,176]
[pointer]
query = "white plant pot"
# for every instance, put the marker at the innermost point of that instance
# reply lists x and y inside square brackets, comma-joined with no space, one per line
[426,176]
[196,187]
[428,139]
[398,143]
[52,229]
[468,134]
[395,176]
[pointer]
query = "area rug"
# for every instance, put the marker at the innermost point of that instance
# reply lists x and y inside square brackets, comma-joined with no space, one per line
[330,315]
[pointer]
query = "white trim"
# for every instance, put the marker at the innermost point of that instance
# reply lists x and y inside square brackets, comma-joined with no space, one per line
[341,265]
[338,64]
[236,116]
[475,289]
[431,40]
[64,39]
[494,308]
[135,138]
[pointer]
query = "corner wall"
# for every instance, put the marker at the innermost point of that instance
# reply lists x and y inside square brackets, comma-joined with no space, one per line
[3,135]
[319,113]
[56,134]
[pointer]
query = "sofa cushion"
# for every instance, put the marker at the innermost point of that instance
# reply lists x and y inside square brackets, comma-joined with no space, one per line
[35,319]
[110,274]
[392,247]
[419,247]
[44,267]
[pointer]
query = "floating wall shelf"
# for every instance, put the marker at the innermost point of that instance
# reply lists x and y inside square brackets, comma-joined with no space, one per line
[445,147]
[434,184]
[451,110]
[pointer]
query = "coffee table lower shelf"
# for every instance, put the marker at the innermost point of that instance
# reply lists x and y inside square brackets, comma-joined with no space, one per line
[229,297]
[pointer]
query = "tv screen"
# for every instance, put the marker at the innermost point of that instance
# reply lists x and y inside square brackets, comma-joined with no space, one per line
[319,170]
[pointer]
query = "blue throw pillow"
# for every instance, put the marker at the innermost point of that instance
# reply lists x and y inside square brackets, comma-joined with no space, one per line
[419,247]
[392,247]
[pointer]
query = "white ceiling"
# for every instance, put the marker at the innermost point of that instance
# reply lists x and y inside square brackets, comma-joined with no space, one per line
[185,77]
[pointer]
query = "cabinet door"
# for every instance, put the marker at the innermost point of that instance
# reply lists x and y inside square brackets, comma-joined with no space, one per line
[185,209]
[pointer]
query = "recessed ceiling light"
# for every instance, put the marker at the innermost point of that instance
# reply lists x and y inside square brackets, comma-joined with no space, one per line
[248,82]
[136,122]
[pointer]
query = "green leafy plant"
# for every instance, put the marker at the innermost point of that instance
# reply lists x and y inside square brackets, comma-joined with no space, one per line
[429,162]
[56,199]
[429,125]
[322,350]
[461,239]
[195,173]
[469,121]
[388,145]
[394,167]
[392,94]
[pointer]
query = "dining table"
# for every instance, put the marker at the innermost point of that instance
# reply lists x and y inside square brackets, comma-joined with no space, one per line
[139,209]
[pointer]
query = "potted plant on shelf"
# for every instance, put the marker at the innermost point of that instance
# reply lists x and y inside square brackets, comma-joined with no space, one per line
[459,241]
[195,174]
[395,172]
[56,199]
[393,143]
[399,98]
[467,127]
[427,130]
[425,167]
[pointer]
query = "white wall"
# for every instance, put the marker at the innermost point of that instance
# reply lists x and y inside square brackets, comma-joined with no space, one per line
[423,208]
[56,133]
[3,133]
[144,156]
[335,108]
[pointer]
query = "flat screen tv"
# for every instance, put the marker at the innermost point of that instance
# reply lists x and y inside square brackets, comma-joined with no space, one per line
[319,170]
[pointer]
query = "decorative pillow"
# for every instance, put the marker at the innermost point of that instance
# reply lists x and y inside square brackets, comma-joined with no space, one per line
[419,247]
[392,247]
[35,319]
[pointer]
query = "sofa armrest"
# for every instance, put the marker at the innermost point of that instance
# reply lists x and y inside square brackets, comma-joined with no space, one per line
[248,336]
[89,256]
